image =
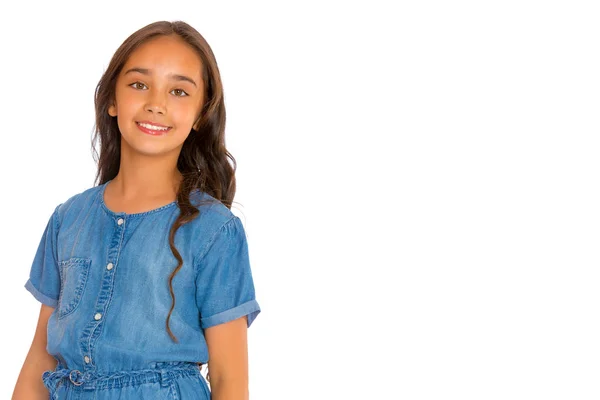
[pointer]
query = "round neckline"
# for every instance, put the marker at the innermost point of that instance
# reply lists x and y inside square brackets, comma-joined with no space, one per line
[124,214]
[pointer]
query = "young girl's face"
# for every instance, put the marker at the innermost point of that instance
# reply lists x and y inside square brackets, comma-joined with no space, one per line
[158,96]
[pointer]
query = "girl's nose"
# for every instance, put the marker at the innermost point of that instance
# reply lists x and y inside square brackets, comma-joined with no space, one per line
[156,104]
[154,108]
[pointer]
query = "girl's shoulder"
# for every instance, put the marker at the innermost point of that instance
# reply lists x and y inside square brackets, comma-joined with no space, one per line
[78,201]
[212,212]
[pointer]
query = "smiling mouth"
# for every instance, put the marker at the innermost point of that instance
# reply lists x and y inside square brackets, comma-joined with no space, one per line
[152,129]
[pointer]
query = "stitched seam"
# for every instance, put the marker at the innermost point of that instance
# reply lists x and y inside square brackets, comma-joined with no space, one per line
[56,222]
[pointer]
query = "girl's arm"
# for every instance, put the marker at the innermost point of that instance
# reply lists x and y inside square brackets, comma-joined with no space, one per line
[228,360]
[29,384]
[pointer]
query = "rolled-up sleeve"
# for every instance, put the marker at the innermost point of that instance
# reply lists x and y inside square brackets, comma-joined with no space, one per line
[44,275]
[224,283]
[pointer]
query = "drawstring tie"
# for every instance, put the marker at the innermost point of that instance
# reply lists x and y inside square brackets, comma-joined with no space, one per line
[52,379]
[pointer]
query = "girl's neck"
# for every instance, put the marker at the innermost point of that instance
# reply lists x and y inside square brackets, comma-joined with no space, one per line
[146,182]
[143,177]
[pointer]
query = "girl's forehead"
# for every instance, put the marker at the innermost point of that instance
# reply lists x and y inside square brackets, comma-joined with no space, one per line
[165,53]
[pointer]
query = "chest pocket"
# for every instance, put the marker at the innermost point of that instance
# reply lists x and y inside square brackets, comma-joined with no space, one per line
[73,278]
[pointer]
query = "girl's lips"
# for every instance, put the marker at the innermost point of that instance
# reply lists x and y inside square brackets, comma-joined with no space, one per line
[154,132]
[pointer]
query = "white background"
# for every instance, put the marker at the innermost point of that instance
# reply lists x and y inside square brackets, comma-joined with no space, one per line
[418,182]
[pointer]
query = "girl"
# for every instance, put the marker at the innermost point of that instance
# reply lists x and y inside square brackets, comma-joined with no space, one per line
[146,277]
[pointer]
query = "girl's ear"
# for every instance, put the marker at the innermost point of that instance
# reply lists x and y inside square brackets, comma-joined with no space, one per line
[112,111]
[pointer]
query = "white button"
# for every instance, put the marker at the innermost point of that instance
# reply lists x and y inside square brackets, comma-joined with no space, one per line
[97,316]
[120,221]
[109,266]
[86,359]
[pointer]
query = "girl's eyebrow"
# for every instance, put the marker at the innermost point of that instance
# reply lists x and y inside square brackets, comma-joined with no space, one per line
[176,77]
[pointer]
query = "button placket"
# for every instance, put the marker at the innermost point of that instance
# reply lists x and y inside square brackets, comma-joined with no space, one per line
[95,326]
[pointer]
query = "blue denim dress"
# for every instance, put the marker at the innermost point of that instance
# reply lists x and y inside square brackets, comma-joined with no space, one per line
[106,274]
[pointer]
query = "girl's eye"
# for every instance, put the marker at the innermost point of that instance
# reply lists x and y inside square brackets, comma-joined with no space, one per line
[179,92]
[138,85]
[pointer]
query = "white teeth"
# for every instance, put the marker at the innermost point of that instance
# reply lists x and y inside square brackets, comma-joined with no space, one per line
[154,128]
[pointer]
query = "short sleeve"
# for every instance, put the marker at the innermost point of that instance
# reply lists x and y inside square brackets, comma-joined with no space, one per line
[224,284]
[44,276]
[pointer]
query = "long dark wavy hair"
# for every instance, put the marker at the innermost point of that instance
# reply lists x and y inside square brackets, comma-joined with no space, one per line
[204,162]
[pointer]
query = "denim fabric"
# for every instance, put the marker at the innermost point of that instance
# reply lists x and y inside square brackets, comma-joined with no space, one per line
[106,274]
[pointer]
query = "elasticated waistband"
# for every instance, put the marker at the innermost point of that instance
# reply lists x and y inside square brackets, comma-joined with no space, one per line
[164,372]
